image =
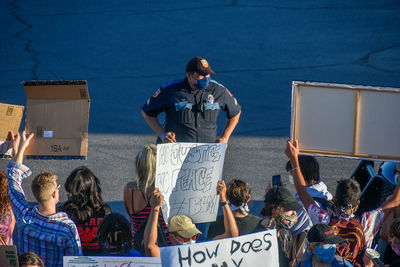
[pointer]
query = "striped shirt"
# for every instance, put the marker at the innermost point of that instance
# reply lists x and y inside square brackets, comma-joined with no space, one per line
[371,221]
[51,237]
[138,218]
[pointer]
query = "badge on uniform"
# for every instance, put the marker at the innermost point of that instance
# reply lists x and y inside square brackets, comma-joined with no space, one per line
[157,93]
[210,99]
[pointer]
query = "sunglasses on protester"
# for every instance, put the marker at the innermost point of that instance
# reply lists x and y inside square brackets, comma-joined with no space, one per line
[184,239]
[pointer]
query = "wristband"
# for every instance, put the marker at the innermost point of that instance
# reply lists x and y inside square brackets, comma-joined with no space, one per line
[294,169]
[162,135]
[224,203]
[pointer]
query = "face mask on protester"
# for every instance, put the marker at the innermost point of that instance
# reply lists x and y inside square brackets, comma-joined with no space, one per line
[288,222]
[203,83]
[326,253]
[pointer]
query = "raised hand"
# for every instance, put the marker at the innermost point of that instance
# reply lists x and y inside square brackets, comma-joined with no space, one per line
[156,199]
[292,150]
[221,190]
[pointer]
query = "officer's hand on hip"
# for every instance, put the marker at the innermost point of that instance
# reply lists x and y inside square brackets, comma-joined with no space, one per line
[169,137]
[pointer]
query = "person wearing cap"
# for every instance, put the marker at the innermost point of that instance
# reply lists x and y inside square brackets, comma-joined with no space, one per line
[322,242]
[181,228]
[192,106]
[280,209]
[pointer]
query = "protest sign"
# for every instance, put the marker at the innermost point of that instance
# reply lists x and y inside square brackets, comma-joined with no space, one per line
[10,119]
[246,250]
[346,120]
[8,256]
[102,261]
[187,175]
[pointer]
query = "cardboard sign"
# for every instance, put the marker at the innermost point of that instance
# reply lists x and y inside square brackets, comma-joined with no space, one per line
[8,256]
[102,261]
[346,120]
[57,112]
[187,175]
[10,120]
[258,249]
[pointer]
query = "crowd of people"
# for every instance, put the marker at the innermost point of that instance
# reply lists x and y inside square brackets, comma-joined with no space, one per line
[314,227]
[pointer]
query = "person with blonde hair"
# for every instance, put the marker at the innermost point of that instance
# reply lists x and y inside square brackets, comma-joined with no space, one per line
[137,194]
[41,229]
[7,219]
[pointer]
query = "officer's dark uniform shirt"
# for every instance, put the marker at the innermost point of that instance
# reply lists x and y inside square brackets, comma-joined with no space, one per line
[191,115]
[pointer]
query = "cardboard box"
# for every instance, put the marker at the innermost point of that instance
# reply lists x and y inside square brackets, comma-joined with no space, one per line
[10,120]
[57,112]
[8,256]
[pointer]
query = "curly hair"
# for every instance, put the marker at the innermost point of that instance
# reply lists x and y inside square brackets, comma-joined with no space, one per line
[84,192]
[238,192]
[4,198]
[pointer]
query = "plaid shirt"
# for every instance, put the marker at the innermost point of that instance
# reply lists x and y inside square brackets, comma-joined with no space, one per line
[371,221]
[51,237]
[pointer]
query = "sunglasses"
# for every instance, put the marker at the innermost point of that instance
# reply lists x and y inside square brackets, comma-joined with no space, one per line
[57,187]
[184,239]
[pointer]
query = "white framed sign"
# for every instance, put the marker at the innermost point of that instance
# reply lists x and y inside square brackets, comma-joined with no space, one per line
[244,251]
[187,175]
[346,120]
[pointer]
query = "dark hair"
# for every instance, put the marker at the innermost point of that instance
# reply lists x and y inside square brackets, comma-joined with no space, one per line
[348,193]
[115,230]
[394,231]
[4,198]
[309,169]
[84,192]
[267,210]
[238,192]
[30,258]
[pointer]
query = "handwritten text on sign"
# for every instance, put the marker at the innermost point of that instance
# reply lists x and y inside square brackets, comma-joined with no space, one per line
[246,250]
[102,261]
[187,175]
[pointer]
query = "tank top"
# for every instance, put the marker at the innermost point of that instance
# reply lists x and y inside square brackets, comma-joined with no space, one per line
[138,218]
[5,228]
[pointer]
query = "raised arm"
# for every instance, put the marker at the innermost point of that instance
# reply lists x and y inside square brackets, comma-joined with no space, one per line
[230,126]
[155,125]
[292,152]
[231,229]
[150,232]
[16,173]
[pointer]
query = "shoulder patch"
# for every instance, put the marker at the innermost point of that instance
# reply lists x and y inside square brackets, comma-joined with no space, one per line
[156,93]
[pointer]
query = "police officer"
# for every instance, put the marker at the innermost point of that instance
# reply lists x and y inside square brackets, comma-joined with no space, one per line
[192,106]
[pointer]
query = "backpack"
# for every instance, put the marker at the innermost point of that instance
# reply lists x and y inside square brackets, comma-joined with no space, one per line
[138,237]
[352,232]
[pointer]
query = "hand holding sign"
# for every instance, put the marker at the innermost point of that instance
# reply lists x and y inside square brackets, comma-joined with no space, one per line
[156,199]
[292,150]
[221,191]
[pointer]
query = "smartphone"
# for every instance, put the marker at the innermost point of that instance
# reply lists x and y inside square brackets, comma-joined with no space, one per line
[276,180]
